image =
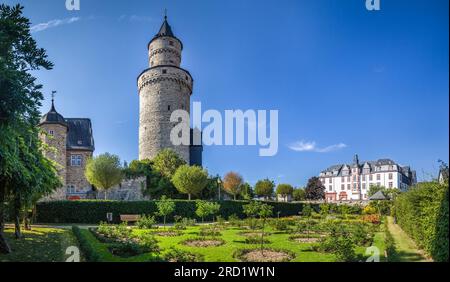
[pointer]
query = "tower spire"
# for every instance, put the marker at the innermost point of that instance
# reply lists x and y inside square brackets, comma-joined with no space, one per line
[165,14]
[53,101]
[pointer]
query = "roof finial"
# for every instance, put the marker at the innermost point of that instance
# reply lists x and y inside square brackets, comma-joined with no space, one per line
[53,100]
[165,14]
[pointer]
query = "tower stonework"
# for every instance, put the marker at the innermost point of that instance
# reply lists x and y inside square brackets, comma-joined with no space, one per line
[163,88]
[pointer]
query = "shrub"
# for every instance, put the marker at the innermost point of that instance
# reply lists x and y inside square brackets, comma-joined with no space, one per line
[86,248]
[146,222]
[182,222]
[307,210]
[372,218]
[256,240]
[94,211]
[125,249]
[422,213]
[279,224]
[177,255]
[369,210]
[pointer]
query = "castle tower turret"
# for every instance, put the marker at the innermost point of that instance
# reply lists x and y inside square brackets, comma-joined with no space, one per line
[163,88]
[55,127]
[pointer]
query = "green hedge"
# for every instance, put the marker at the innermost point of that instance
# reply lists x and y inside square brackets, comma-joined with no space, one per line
[94,211]
[422,212]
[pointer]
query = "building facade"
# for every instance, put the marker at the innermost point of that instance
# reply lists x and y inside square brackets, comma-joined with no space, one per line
[164,88]
[72,143]
[351,182]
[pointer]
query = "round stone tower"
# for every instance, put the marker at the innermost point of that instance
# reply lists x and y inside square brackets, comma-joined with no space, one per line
[163,88]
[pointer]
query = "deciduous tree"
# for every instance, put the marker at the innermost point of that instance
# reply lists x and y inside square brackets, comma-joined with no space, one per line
[232,182]
[104,171]
[190,180]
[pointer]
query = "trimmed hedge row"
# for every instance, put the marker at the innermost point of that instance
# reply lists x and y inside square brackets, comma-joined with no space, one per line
[94,211]
[422,213]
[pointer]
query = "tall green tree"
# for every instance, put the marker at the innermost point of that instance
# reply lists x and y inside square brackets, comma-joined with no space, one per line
[284,190]
[166,162]
[190,180]
[314,189]
[264,188]
[104,171]
[247,191]
[299,194]
[25,174]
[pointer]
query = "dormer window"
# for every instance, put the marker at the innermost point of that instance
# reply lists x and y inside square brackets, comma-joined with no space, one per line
[51,132]
[79,142]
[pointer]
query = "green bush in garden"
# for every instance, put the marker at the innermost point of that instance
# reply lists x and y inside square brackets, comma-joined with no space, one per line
[177,255]
[146,222]
[94,211]
[422,213]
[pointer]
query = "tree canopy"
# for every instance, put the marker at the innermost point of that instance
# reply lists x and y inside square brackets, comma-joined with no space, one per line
[284,189]
[232,182]
[104,171]
[264,188]
[190,180]
[314,189]
[166,162]
[25,174]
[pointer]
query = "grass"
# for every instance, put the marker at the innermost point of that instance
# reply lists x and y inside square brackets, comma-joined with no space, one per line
[39,245]
[405,248]
[234,240]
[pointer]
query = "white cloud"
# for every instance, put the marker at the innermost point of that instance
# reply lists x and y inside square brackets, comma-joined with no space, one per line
[136,18]
[53,23]
[311,146]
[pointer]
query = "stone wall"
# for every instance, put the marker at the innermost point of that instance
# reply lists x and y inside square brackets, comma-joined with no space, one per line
[75,174]
[128,190]
[163,89]
[57,152]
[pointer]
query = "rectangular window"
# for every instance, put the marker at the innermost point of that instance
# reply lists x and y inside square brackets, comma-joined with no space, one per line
[348,186]
[390,176]
[354,177]
[343,179]
[363,178]
[330,188]
[75,160]
[378,176]
[342,186]
[51,132]
[348,178]
[70,189]
[164,71]
[391,185]
[330,180]
[370,177]
[364,186]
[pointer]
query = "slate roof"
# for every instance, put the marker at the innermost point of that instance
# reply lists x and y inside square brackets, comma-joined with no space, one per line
[337,169]
[378,196]
[80,135]
[53,117]
[165,30]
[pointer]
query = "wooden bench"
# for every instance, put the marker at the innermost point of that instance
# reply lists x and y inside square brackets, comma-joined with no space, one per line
[129,217]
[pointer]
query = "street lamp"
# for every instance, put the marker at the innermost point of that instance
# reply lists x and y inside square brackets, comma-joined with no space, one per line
[219,182]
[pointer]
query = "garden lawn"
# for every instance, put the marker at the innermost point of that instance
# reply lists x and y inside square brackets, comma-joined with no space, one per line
[39,245]
[224,253]
[405,248]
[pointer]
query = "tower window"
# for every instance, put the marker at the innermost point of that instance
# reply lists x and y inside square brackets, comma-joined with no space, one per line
[75,160]
[164,71]
[51,132]
[171,43]
[168,107]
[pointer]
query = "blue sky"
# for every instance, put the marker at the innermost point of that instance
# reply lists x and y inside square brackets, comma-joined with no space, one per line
[338,74]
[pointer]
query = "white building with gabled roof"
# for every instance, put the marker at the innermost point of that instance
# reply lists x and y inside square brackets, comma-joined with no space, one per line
[351,182]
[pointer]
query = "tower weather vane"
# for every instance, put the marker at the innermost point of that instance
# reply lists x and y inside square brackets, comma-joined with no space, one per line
[53,95]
